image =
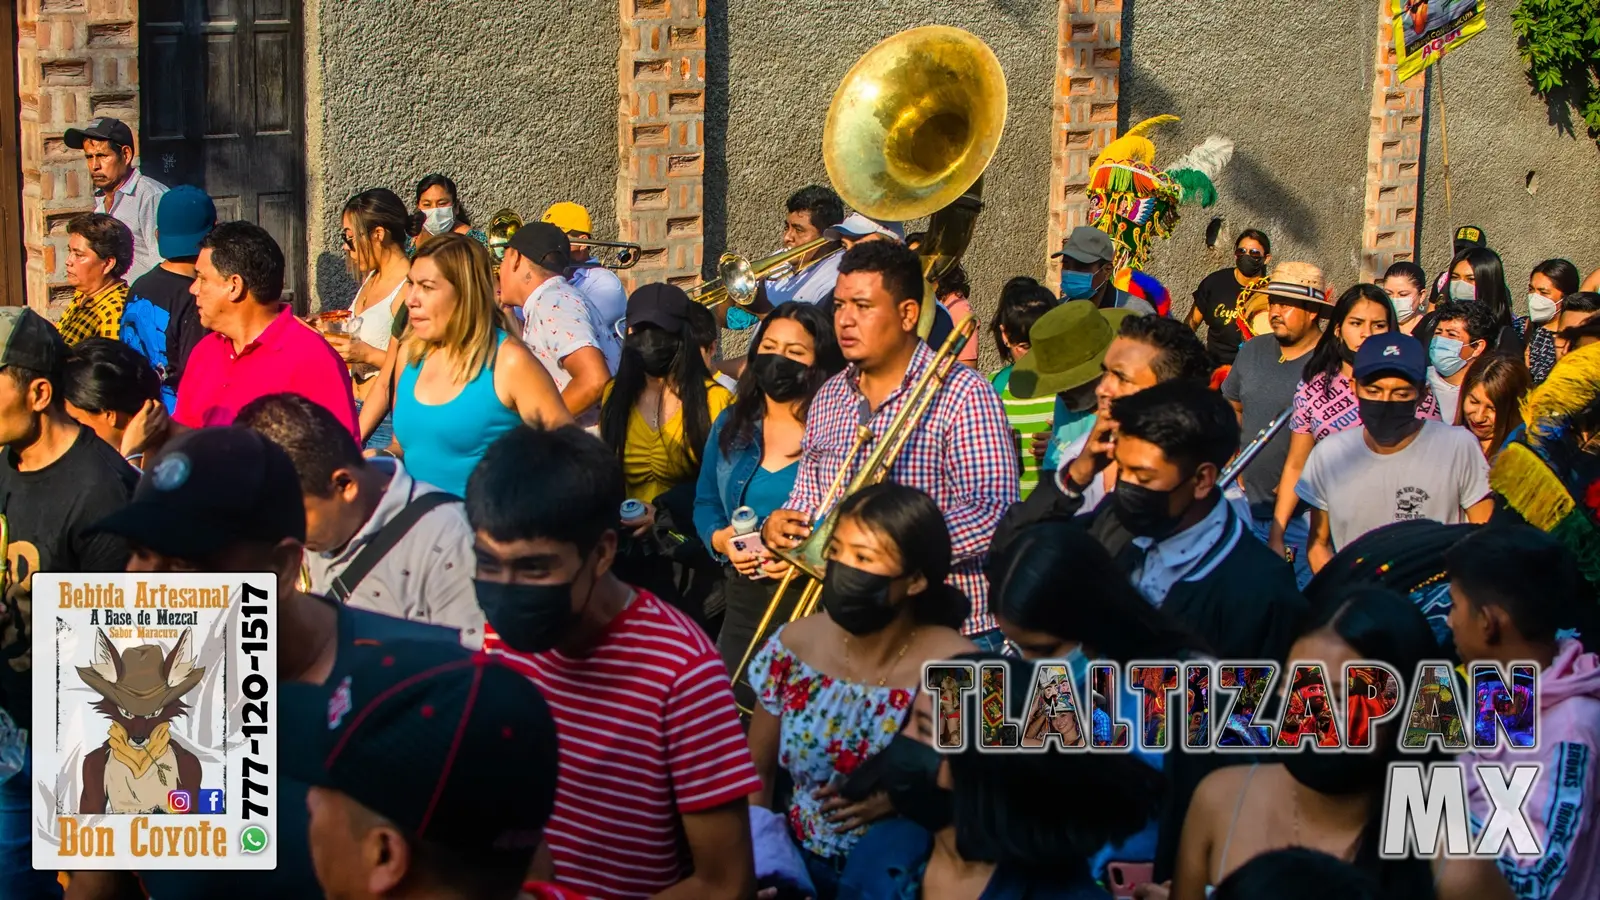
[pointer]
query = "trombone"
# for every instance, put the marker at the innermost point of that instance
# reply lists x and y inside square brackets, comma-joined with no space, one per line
[610,254]
[738,278]
[1253,449]
[809,559]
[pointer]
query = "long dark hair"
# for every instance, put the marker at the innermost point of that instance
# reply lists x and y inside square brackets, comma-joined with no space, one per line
[1383,626]
[909,519]
[1104,611]
[1008,807]
[1562,273]
[1326,360]
[371,210]
[437,180]
[750,404]
[1489,282]
[687,379]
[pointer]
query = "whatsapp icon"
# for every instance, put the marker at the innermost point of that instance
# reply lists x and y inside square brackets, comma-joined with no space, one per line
[253,839]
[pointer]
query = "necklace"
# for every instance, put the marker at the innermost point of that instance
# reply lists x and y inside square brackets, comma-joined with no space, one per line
[897,657]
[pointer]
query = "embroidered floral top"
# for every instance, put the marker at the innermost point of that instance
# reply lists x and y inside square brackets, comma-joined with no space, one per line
[827,729]
[1320,412]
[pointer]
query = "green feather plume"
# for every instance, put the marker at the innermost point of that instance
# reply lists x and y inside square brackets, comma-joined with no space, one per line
[1196,187]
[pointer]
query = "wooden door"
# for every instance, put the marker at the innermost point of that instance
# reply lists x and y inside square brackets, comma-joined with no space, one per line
[221,108]
[11,250]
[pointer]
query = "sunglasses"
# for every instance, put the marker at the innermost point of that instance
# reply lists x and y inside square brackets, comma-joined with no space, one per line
[1258,254]
[349,242]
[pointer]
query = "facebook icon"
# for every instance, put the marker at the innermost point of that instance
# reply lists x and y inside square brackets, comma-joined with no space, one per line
[211,801]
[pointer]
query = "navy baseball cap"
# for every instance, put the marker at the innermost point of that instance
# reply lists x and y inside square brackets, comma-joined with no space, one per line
[1390,353]
[210,488]
[455,747]
[183,219]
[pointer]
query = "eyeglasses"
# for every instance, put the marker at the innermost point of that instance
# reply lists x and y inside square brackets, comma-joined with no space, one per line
[1258,254]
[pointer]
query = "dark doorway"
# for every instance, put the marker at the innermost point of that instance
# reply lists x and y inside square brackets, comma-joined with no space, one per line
[221,107]
[11,252]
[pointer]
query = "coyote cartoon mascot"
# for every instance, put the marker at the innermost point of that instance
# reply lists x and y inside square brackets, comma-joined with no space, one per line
[140,763]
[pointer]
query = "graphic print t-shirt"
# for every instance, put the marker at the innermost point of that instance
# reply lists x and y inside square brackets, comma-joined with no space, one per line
[1217,298]
[1437,476]
[49,511]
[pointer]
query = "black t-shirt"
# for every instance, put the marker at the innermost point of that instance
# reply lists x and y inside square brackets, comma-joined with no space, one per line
[1217,298]
[169,292]
[294,877]
[49,511]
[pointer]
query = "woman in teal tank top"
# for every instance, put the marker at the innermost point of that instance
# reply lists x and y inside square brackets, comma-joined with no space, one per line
[466,381]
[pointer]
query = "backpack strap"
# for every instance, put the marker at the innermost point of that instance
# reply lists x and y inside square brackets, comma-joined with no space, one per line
[384,541]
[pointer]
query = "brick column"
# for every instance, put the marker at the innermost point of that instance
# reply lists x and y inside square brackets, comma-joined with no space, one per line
[1394,149]
[1084,119]
[76,59]
[661,138]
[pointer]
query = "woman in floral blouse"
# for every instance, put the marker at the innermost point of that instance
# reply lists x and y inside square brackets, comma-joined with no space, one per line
[834,688]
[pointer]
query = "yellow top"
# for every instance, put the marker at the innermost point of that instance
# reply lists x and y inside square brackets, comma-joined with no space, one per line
[654,462]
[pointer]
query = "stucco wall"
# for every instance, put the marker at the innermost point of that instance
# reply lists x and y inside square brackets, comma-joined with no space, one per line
[516,101]
[1499,132]
[1290,82]
[781,71]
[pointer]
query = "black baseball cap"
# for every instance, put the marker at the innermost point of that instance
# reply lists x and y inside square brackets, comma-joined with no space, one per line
[544,244]
[1390,353]
[211,488]
[104,128]
[457,748]
[28,341]
[1469,236]
[663,305]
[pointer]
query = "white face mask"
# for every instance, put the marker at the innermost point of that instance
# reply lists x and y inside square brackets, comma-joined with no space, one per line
[1404,307]
[1541,309]
[439,219]
[1461,291]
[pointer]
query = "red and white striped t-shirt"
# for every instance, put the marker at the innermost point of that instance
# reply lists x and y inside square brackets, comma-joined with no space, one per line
[648,731]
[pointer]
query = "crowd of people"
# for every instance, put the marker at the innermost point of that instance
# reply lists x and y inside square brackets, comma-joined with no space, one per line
[502,488]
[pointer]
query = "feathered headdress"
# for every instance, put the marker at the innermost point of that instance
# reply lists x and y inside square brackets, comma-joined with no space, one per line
[1549,469]
[1135,203]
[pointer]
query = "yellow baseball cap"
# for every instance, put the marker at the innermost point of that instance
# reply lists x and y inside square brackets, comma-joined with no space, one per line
[569,217]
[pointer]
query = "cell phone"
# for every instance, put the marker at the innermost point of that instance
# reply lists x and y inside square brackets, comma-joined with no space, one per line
[1123,877]
[749,543]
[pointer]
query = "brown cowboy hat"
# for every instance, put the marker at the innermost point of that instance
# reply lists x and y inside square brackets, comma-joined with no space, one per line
[143,679]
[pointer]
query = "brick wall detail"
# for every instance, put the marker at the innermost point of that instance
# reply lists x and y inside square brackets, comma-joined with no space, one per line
[1394,150]
[661,138]
[1084,119]
[76,59]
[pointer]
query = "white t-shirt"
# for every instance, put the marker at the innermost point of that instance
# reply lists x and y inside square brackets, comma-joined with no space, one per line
[814,285]
[1448,395]
[1437,476]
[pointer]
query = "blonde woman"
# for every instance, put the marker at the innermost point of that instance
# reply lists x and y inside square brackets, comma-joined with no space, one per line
[463,380]
[374,227]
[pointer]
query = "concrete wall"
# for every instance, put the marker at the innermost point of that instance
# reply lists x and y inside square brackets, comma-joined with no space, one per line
[1290,83]
[770,97]
[1499,133]
[516,101]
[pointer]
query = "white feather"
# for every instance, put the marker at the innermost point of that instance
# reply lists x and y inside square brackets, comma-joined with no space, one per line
[1210,157]
[183,662]
[104,657]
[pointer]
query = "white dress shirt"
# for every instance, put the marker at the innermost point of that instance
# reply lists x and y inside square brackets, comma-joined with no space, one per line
[603,289]
[1167,562]
[814,285]
[134,204]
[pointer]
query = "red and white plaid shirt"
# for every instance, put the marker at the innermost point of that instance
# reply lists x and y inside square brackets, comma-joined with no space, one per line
[961,454]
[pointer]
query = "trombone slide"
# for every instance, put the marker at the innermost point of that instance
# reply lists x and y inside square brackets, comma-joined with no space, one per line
[1253,449]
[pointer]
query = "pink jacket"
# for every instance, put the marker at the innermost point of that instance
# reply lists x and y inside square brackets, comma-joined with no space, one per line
[1562,806]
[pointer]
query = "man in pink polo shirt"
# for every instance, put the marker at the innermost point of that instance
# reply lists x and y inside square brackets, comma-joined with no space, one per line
[256,345]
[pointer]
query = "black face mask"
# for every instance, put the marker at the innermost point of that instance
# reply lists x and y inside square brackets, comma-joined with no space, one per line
[1388,421]
[1250,266]
[530,618]
[1346,354]
[657,349]
[910,776]
[779,377]
[1143,511]
[857,601]
[1338,774]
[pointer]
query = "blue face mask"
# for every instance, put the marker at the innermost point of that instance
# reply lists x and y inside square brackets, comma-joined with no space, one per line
[1077,285]
[1445,355]
[1462,291]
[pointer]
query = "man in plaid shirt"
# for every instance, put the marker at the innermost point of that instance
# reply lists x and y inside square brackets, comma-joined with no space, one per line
[961,453]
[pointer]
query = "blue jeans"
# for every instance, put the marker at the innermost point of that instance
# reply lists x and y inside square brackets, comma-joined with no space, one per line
[383,435]
[17,876]
[1295,539]
[991,641]
[824,872]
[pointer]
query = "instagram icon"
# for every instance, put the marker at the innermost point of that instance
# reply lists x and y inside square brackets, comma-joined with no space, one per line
[179,801]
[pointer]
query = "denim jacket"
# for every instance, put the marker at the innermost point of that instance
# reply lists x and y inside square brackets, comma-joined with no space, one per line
[723,479]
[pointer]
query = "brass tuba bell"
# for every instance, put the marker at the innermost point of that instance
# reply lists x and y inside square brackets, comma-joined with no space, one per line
[502,226]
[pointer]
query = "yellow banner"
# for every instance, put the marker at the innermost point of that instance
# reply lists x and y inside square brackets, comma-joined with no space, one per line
[1425,30]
